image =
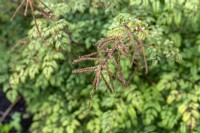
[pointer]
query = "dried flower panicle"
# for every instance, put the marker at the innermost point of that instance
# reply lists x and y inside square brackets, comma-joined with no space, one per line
[110,50]
[33,7]
[105,54]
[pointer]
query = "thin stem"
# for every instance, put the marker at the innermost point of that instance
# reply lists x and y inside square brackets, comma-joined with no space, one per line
[8,110]
[32,11]
[17,9]
[26,9]
[144,56]
[45,5]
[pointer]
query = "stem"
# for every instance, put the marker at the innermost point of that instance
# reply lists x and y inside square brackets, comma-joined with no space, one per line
[8,110]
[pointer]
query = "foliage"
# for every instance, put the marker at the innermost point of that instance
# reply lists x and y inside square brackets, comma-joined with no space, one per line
[14,124]
[39,66]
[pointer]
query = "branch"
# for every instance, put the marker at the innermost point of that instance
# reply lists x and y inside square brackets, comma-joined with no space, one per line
[8,110]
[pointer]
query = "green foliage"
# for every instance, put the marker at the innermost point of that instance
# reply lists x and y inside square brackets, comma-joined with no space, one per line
[14,124]
[39,67]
